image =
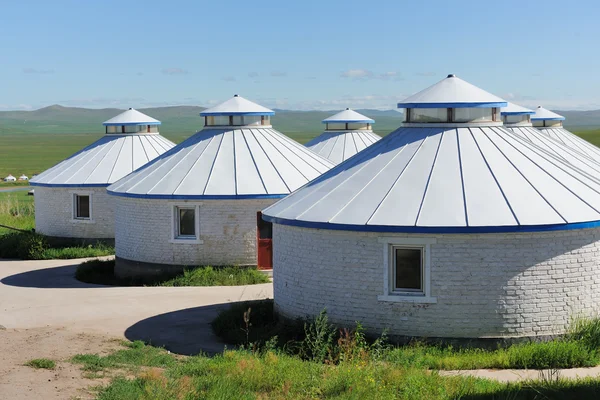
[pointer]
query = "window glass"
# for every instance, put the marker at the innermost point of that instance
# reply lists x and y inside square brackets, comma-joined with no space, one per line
[82,207]
[472,114]
[266,120]
[153,128]
[428,115]
[251,120]
[513,119]
[357,126]
[113,129]
[217,120]
[187,222]
[335,126]
[408,269]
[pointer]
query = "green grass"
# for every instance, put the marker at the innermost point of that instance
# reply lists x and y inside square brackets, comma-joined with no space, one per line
[41,363]
[578,349]
[102,272]
[274,375]
[17,210]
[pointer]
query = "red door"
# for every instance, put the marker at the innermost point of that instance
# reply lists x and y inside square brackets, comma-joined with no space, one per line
[264,239]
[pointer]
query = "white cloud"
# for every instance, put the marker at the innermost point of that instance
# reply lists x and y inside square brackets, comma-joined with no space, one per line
[357,74]
[278,74]
[228,79]
[252,74]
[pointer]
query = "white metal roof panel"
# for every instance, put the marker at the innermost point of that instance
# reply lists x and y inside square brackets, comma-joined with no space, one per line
[105,161]
[348,115]
[132,117]
[252,162]
[515,109]
[237,105]
[452,92]
[573,141]
[339,146]
[543,114]
[476,179]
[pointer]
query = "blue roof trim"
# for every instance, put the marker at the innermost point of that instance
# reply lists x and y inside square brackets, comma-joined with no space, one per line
[130,123]
[548,119]
[452,105]
[433,229]
[363,121]
[69,185]
[517,112]
[198,197]
[203,114]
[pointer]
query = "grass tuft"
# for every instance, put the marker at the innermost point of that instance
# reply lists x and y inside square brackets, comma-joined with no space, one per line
[41,363]
[102,272]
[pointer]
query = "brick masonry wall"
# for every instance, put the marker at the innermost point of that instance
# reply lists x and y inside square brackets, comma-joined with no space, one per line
[144,232]
[487,285]
[54,213]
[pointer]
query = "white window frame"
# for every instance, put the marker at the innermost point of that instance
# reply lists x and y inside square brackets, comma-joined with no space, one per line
[74,217]
[175,238]
[391,295]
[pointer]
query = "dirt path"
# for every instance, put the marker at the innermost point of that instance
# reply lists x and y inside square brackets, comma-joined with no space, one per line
[17,346]
[46,313]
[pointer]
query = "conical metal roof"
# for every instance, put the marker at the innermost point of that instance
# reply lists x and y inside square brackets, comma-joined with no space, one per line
[565,152]
[338,146]
[543,114]
[515,109]
[131,117]
[348,115]
[237,105]
[578,144]
[232,163]
[452,92]
[447,179]
[104,161]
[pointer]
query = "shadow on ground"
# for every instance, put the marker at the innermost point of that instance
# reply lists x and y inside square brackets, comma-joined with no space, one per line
[186,332]
[49,278]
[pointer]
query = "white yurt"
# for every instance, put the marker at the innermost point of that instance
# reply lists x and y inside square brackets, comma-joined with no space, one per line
[71,199]
[197,204]
[450,226]
[23,177]
[517,119]
[346,133]
[551,124]
[10,178]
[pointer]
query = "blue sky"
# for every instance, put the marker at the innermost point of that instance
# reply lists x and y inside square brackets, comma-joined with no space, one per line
[325,54]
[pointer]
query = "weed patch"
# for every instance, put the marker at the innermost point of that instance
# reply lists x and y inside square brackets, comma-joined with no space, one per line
[102,272]
[41,363]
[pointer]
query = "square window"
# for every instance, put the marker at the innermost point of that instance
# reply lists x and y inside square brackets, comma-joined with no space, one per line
[186,222]
[82,206]
[407,269]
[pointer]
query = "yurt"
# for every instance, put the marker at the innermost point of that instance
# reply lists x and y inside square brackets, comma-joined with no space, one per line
[197,204]
[71,199]
[451,227]
[551,124]
[517,119]
[346,133]
[10,178]
[23,177]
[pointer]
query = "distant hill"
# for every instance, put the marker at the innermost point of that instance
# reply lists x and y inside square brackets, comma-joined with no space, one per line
[176,120]
[182,121]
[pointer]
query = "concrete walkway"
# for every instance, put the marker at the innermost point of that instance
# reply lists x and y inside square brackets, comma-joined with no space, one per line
[45,294]
[519,375]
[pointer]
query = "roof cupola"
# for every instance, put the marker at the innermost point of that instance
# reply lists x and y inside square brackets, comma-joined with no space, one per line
[237,111]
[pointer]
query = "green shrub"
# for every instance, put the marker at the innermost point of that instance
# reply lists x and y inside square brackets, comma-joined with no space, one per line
[587,331]
[41,363]
[218,276]
[33,246]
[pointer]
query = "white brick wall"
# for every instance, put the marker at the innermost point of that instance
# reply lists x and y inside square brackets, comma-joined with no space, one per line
[487,285]
[54,213]
[144,231]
